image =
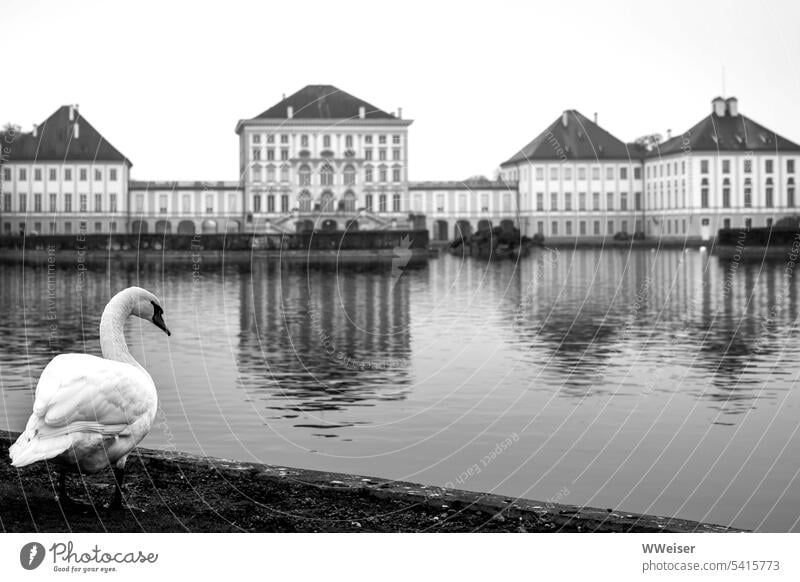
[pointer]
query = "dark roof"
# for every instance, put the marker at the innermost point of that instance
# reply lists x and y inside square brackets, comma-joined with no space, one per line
[469,184]
[182,185]
[716,133]
[581,139]
[323,102]
[55,141]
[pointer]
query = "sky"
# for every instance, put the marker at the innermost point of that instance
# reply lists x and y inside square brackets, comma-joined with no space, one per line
[166,82]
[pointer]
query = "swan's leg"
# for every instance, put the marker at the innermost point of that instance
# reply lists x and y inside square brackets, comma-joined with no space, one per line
[116,499]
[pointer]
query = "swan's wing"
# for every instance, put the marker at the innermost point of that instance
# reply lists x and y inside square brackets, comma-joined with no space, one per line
[81,392]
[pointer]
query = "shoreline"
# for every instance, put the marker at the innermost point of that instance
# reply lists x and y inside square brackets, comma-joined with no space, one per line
[177,492]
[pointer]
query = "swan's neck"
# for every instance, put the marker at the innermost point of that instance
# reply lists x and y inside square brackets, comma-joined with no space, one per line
[112,331]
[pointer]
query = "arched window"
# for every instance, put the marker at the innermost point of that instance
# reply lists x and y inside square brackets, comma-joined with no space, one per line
[270,173]
[349,201]
[285,173]
[305,175]
[704,193]
[256,170]
[349,175]
[326,201]
[368,177]
[304,201]
[326,175]
[748,193]
[790,193]
[768,193]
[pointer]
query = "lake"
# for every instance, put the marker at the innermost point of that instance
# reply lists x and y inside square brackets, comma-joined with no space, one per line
[655,382]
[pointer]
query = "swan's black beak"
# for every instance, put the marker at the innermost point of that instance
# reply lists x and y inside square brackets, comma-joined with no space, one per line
[158,320]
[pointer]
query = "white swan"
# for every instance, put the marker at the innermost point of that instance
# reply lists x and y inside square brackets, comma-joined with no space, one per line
[90,412]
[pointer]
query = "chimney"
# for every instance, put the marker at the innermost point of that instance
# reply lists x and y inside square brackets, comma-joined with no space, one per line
[72,110]
[718,104]
[733,106]
[399,113]
[564,118]
[669,134]
[595,117]
[362,112]
[290,112]
[76,132]
[35,130]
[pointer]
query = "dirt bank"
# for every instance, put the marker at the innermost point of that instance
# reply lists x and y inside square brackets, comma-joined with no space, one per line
[174,492]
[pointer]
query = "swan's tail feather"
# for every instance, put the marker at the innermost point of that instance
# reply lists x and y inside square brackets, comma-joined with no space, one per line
[29,448]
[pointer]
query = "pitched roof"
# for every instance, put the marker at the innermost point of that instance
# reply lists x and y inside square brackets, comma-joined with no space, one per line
[323,102]
[580,139]
[56,141]
[468,184]
[717,133]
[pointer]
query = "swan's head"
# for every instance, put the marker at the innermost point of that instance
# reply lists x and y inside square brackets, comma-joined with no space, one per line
[147,306]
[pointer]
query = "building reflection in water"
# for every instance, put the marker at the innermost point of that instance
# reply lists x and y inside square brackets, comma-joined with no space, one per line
[323,339]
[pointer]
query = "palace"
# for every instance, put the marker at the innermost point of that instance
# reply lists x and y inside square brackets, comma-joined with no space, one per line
[322,159]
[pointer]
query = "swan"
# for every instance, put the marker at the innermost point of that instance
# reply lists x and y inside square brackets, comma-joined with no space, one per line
[90,412]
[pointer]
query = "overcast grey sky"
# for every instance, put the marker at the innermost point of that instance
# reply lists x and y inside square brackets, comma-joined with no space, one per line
[167,82]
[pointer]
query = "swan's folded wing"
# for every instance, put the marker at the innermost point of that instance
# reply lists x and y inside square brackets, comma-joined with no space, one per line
[90,394]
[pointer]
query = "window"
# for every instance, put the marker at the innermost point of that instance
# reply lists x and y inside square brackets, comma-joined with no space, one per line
[112,175]
[270,155]
[98,175]
[209,203]
[581,173]
[395,174]
[595,200]
[726,224]
[162,203]
[582,227]
[726,193]
[368,139]
[271,203]
[704,166]
[637,201]
[395,139]
[113,226]
[68,227]
[112,202]
[396,154]
[484,203]
[567,201]
[610,227]
[554,228]
[540,201]
[186,203]
[768,193]
[768,166]
[84,202]
[82,225]
[232,203]
[303,141]
[52,174]
[790,193]
[23,174]
[37,174]
[596,228]
[256,138]
[284,154]
[582,201]
[256,173]
[554,201]
[98,227]
[382,154]
[67,202]
[539,173]
[381,139]
[284,203]
[790,166]
[396,202]
[595,173]
[284,173]
[98,203]
[609,173]
[7,174]
[348,141]
[440,203]
[554,173]
[368,155]
[256,154]
[53,228]
[52,203]
[368,174]
[284,138]
[326,175]
[624,226]
[270,173]
[568,229]
[326,141]
[623,201]
[349,175]
[610,201]
[637,173]
[23,202]
[726,166]
[748,166]
[382,202]
[623,173]
[568,173]
[382,173]
[304,175]
[748,193]
[368,202]
[270,138]
[37,202]
[748,222]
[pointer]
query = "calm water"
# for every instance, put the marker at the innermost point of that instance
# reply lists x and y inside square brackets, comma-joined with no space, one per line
[649,382]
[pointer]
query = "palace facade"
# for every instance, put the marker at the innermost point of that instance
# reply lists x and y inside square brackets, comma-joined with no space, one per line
[322,159]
